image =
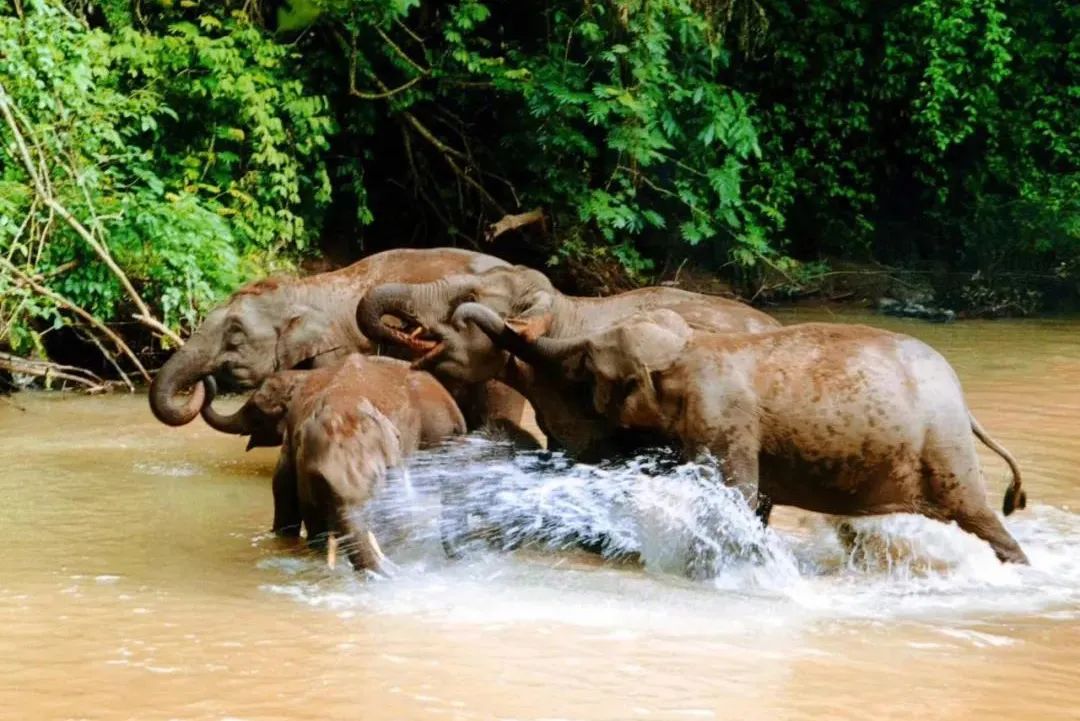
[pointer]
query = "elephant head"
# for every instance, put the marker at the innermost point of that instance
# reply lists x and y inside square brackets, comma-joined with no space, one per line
[620,362]
[261,329]
[262,416]
[525,298]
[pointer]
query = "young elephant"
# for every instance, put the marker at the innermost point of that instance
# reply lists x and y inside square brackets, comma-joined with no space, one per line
[838,419]
[341,428]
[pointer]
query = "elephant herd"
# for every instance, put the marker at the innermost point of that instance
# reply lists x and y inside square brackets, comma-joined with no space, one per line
[353,370]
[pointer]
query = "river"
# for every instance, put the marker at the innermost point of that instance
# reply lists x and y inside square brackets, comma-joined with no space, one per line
[137,581]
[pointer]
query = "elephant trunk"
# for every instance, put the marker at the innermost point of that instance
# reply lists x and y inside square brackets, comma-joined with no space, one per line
[235,424]
[394,299]
[401,301]
[386,299]
[543,350]
[184,370]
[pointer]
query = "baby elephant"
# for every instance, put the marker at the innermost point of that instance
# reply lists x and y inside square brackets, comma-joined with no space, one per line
[341,428]
[838,419]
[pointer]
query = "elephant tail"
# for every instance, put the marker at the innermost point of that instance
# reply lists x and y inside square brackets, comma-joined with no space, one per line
[1015,497]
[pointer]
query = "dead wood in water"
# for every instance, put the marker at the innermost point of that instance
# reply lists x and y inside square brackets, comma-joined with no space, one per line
[49,370]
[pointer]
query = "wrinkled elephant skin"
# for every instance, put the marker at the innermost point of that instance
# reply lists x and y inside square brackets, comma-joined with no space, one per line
[456,350]
[838,419]
[281,324]
[341,428]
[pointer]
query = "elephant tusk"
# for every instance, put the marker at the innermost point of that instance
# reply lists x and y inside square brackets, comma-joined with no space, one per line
[331,551]
[433,353]
[375,547]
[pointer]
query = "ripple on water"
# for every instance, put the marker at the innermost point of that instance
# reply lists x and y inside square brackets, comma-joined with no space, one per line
[662,512]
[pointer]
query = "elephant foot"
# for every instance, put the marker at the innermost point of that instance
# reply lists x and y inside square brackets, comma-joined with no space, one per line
[764,509]
[292,531]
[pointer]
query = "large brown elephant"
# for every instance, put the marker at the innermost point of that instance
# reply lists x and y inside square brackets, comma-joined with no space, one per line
[838,419]
[532,308]
[341,428]
[280,324]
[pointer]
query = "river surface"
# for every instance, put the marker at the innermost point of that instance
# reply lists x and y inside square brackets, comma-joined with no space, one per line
[137,580]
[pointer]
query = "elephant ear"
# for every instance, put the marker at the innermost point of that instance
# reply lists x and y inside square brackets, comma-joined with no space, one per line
[646,342]
[304,336]
[533,312]
[630,352]
[273,396]
[270,403]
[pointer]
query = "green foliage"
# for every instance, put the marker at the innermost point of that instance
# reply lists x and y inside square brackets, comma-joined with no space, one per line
[192,154]
[202,141]
[941,130]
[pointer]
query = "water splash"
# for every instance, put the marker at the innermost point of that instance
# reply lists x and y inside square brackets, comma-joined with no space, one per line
[666,516]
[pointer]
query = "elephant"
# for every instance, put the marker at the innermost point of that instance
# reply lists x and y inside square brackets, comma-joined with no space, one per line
[533,308]
[341,429]
[837,419]
[282,324]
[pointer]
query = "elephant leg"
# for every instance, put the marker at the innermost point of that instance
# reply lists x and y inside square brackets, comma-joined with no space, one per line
[738,451]
[957,493]
[764,508]
[453,519]
[987,526]
[317,527]
[287,516]
[740,466]
[363,549]
[498,408]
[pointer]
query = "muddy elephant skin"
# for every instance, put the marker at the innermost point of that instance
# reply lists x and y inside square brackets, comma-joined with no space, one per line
[281,324]
[837,419]
[341,429]
[532,308]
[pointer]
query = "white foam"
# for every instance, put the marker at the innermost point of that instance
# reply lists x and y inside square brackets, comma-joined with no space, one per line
[659,511]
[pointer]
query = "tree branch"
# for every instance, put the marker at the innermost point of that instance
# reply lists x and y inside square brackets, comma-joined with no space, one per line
[69,305]
[513,222]
[383,95]
[47,369]
[56,206]
[386,39]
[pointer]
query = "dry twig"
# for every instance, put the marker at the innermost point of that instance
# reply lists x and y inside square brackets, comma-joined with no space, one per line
[513,222]
[47,370]
[39,181]
[82,313]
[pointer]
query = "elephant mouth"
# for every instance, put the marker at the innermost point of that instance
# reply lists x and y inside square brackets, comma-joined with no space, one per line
[235,378]
[424,343]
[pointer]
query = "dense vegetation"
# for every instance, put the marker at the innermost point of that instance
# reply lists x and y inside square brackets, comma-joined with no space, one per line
[157,153]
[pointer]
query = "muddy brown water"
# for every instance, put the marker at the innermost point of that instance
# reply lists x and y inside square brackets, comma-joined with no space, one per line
[137,582]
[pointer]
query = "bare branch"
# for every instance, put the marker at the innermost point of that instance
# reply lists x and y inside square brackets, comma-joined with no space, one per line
[476,185]
[56,206]
[383,95]
[47,370]
[69,305]
[110,358]
[513,222]
[401,53]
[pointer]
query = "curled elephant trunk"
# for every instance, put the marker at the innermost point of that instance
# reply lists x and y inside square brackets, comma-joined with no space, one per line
[542,350]
[184,370]
[235,424]
[394,299]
